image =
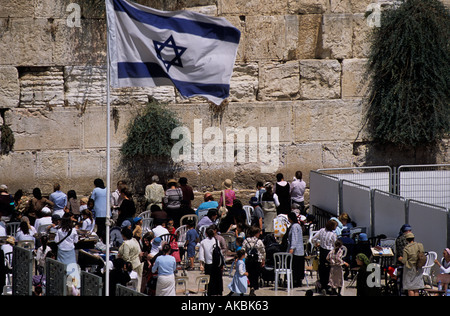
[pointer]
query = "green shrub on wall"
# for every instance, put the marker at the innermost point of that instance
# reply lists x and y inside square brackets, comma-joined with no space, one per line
[149,134]
[409,72]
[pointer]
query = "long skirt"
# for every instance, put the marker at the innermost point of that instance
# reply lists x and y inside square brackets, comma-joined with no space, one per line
[165,286]
[336,276]
[412,279]
[215,286]
[68,257]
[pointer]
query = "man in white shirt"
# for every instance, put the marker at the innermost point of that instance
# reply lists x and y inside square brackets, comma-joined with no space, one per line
[160,229]
[297,190]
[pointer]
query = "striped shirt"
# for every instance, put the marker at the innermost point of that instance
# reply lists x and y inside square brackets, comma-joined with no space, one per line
[326,238]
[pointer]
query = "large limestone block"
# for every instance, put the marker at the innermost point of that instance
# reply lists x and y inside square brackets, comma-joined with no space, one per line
[244,83]
[251,7]
[17,170]
[327,120]
[16,9]
[52,167]
[303,157]
[361,36]
[308,6]
[84,45]
[41,87]
[271,37]
[25,41]
[40,129]
[279,81]
[337,154]
[69,10]
[95,126]
[9,87]
[320,79]
[354,83]
[309,28]
[337,34]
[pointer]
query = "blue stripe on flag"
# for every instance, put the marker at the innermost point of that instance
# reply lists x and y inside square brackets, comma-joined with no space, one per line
[187,89]
[203,29]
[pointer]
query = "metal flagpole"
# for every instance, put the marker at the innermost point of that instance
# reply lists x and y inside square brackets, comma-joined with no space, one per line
[108,161]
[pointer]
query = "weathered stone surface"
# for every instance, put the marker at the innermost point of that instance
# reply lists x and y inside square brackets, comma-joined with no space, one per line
[56,129]
[251,7]
[25,41]
[327,120]
[337,35]
[244,83]
[307,6]
[279,81]
[18,170]
[16,9]
[308,35]
[320,79]
[361,36]
[41,87]
[266,37]
[353,78]
[9,87]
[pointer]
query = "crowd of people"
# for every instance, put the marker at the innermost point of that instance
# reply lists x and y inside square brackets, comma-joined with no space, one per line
[152,260]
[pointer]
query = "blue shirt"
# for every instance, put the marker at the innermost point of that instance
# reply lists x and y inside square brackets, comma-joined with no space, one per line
[191,236]
[207,205]
[99,197]
[165,265]
[60,200]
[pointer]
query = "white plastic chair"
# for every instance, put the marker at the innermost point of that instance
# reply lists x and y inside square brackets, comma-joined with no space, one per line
[249,212]
[180,233]
[202,213]
[189,217]
[431,256]
[11,228]
[147,224]
[283,266]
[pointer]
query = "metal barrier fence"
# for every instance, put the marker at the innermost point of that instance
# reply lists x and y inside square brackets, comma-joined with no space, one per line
[426,183]
[379,211]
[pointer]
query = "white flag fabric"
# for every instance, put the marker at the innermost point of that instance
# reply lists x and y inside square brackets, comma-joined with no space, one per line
[191,51]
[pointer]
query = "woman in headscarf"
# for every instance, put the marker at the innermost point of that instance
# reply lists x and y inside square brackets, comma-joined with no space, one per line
[364,278]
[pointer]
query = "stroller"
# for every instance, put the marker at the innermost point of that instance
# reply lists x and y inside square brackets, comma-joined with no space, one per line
[272,246]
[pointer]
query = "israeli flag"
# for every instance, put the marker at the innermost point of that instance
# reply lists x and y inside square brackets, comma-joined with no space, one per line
[191,51]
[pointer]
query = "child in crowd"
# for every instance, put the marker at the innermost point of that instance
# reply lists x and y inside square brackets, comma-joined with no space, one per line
[192,238]
[335,258]
[240,281]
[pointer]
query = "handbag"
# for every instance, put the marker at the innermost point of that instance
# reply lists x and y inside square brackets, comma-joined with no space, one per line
[223,211]
[54,245]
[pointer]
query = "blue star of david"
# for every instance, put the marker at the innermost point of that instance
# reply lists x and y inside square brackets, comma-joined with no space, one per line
[169,44]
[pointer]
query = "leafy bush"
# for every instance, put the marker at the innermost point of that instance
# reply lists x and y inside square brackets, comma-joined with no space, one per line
[409,72]
[149,134]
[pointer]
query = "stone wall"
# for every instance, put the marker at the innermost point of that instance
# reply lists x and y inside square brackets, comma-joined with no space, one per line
[299,68]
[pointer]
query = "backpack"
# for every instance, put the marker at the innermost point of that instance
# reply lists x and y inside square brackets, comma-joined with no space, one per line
[421,259]
[252,255]
[217,257]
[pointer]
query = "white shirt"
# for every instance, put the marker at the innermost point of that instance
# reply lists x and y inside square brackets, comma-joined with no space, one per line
[47,220]
[69,242]
[206,249]
[87,225]
[159,231]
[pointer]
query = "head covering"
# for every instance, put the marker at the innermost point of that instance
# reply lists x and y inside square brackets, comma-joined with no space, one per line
[362,237]
[136,219]
[207,195]
[253,201]
[447,250]
[406,228]
[362,257]
[125,223]
[4,188]
[409,235]
[172,181]
[46,211]
[345,232]
[227,183]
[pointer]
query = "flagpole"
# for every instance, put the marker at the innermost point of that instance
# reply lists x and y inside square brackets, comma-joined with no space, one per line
[108,161]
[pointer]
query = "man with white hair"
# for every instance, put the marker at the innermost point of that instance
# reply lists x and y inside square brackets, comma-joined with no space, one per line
[45,220]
